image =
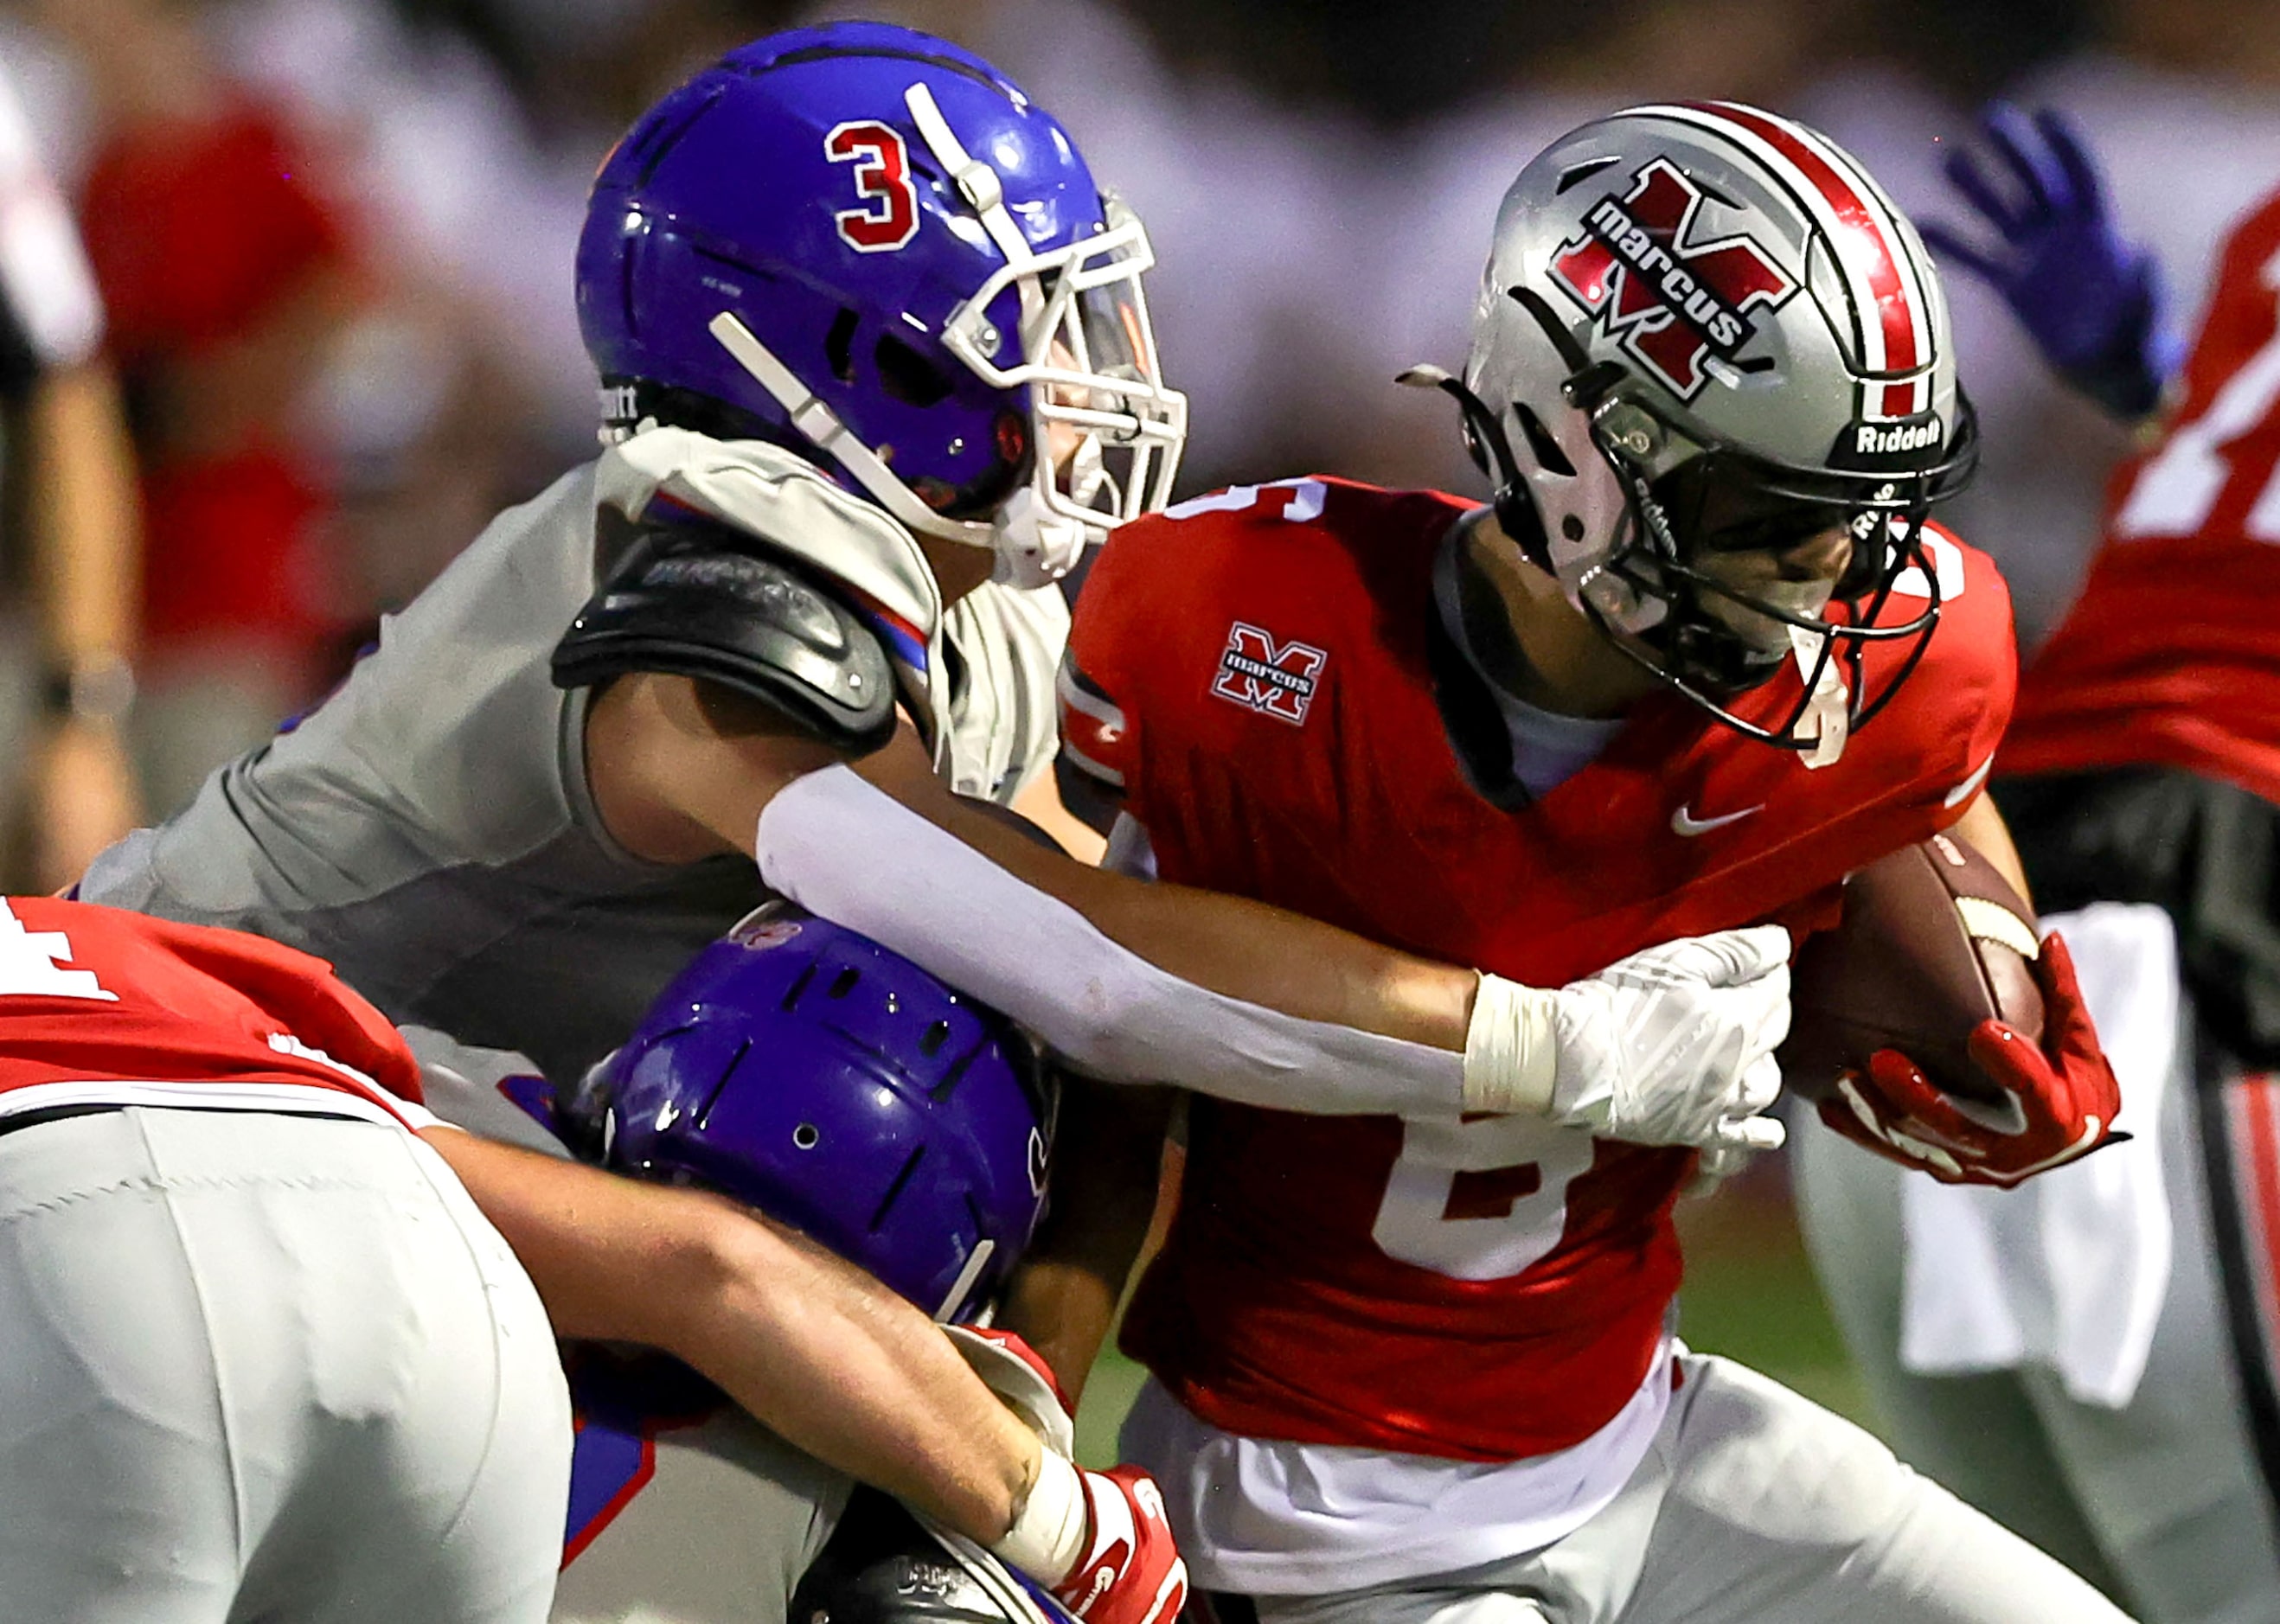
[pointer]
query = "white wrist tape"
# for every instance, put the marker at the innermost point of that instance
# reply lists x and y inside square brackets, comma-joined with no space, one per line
[1510,1049]
[1047,1539]
[854,855]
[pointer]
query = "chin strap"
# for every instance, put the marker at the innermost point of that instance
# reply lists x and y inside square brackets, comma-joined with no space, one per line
[821,426]
[1829,709]
[1515,513]
[976,181]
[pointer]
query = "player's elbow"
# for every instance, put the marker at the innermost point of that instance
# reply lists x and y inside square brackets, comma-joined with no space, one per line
[703,1269]
[1152,1030]
[1102,1027]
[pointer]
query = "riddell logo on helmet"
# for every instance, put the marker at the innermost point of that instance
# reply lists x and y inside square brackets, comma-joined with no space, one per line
[1671,302]
[1870,440]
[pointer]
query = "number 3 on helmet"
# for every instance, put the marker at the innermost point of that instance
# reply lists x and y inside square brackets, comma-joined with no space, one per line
[867,244]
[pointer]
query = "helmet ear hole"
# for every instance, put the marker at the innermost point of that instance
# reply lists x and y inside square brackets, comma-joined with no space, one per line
[1540,442]
[839,346]
[908,376]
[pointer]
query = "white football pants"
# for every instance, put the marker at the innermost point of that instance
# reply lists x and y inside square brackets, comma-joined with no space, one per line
[714,1523]
[256,1366]
[2163,1498]
[1754,1506]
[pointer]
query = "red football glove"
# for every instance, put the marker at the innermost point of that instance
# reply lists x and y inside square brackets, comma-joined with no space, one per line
[1020,1349]
[2059,1098]
[1131,1571]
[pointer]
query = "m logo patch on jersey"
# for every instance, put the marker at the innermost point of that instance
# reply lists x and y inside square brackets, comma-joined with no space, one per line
[1671,303]
[1274,678]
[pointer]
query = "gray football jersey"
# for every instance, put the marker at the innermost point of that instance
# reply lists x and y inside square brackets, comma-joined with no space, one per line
[428,830]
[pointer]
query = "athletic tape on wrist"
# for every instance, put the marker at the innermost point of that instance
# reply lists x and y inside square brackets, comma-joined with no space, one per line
[1509,1049]
[1047,1539]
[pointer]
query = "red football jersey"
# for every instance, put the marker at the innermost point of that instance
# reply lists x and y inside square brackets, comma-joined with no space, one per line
[99,995]
[200,235]
[1257,667]
[2171,656]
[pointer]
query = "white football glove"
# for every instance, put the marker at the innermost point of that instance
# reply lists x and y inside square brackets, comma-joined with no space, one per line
[1674,1045]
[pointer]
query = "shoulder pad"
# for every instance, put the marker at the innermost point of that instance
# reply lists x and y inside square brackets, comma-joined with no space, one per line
[698,601]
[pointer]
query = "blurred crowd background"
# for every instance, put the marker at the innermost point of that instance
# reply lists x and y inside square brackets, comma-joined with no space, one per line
[333,239]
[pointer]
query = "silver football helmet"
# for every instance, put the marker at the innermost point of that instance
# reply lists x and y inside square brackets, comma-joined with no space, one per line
[1704,330]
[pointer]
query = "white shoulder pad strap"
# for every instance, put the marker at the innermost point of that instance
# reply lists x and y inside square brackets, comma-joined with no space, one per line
[776,496]
[1004,724]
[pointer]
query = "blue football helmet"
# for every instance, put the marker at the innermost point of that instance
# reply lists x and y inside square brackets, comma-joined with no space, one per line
[836,1087]
[867,244]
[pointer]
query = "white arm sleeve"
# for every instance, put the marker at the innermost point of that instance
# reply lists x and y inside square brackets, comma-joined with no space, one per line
[853,854]
[1128,851]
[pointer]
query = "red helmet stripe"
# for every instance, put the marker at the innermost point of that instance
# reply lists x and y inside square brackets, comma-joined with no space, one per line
[1868,246]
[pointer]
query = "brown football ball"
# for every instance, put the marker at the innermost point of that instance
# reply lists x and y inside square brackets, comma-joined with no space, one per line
[1932,940]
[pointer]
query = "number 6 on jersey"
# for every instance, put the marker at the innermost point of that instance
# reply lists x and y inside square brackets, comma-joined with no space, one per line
[1479,1199]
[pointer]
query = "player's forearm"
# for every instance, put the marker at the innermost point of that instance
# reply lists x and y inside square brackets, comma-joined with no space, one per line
[80,509]
[852,1374]
[681,771]
[857,856]
[1253,1005]
[1107,1166]
[1982,828]
[1232,946]
[813,1347]
[84,517]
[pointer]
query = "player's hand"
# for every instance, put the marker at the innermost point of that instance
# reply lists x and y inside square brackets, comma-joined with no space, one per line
[2059,1098]
[1715,1164]
[1131,1571]
[1022,1381]
[2090,300]
[1673,1045]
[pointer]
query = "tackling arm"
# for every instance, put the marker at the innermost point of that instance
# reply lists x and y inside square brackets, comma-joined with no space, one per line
[1136,982]
[817,1351]
[1235,947]
[683,770]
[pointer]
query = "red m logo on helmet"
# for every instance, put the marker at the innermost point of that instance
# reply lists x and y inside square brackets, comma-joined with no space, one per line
[1275,679]
[1671,303]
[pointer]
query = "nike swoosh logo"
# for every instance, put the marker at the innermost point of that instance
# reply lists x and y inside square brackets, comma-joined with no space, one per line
[1682,823]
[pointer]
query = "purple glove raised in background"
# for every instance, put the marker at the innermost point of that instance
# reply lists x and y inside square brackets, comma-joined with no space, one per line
[2091,301]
